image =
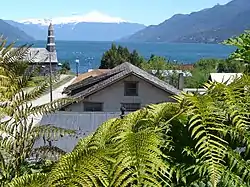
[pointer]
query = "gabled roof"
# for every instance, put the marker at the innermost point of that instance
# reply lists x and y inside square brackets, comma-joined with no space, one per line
[224,77]
[41,55]
[92,85]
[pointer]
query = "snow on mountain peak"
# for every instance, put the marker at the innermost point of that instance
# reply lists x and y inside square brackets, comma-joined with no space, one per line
[93,16]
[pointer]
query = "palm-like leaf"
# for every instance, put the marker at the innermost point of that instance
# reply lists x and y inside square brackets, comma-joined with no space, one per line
[18,130]
[120,153]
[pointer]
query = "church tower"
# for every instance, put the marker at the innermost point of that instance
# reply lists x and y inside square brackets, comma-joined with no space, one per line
[51,46]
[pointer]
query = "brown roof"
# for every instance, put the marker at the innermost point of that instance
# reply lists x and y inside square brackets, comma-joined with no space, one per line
[186,67]
[93,73]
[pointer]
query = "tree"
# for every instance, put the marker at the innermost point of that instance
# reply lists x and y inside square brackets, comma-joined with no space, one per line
[242,52]
[18,131]
[231,66]
[203,68]
[201,72]
[65,68]
[118,55]
[162,68]
[198,79]
[209,65]
[242,43]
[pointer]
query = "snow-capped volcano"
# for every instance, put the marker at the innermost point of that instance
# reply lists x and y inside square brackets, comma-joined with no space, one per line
[94,17]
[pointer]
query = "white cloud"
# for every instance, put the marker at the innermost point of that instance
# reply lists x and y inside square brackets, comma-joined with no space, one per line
[94,16]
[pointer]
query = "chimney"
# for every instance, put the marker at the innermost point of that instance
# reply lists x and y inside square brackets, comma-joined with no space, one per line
[181,81]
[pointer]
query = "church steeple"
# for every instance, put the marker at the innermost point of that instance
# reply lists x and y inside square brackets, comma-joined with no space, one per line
[51,46]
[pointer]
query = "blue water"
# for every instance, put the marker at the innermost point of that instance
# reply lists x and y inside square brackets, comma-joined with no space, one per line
[90,53]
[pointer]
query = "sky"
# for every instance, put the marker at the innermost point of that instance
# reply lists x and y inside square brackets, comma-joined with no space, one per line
[148,12]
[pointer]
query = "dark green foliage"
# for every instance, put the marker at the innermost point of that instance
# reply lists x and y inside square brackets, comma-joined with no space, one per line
[198,78]
[231,66]
[242,53]
[204,67]
[65,68]
[118,55]
[201,72]
[158,63]
[208,65]
[159,67]
[39,166]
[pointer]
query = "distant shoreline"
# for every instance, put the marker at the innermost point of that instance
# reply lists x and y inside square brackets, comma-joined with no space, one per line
[116,42]
[90,53]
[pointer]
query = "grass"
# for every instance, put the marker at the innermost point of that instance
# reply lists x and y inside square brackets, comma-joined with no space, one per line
[35,81]
[60,83]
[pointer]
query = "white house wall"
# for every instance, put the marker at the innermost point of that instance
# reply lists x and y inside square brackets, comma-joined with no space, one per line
[113,96]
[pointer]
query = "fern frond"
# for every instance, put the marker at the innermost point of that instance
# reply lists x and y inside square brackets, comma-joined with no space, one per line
[51,131]
[206,124]
[138,145]
[32,180]
[50,107]
[230,179]
[241,166]
[48,150]
[90,167]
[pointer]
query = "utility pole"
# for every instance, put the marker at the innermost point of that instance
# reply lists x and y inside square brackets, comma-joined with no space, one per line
[50,78]
[51,51]
[77,67]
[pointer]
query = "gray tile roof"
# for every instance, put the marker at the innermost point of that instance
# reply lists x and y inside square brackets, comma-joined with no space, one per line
[94,84]
[41,55]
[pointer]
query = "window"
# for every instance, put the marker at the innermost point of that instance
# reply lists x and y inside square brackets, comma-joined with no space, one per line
[51,33]
[131,88]
[91,107]
[130,107]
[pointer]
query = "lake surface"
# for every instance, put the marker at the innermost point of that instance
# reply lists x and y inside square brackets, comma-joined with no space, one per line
[90,53]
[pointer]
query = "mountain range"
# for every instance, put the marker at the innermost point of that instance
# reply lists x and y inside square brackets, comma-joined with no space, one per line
[94,26]
[211,25]
[13,33]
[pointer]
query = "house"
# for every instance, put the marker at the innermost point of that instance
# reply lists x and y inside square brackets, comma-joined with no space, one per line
[185,67]
[123,86]
[42,57]
[226,78]
[166,73]
[100,94]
